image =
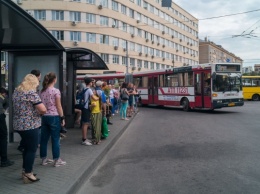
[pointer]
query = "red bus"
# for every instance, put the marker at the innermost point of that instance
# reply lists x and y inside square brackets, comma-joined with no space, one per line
[204,86]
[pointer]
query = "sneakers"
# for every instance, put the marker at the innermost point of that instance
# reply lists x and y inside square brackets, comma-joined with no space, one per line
[7,163]
[126,119]
[86,142]
[46,161]
[59,162]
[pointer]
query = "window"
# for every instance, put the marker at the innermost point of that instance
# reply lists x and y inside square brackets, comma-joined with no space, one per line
[131,13]
[139,32]
[115,23]
[59,35]
[123,9]
[145,5]
[75,16]
[58,15]
[124,27]
[91,37]
[124,60]
[157,65]
[124,44]
[146,64]
[131,29]
[138,16]
[91,1]
[138,2]
[91,18]
[105,57]
[145,19]
[40,14]
[163,66]
[152,65]
[132,46]
[132,62]
[115,5]
[145,50]
[139,63]
[104,3]
[139,48]
[115,59]
[115,41]
[103,21]
[75,36]
[2,56]
[104,39]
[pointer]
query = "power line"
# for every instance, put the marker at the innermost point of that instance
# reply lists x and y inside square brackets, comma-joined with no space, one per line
[230,15]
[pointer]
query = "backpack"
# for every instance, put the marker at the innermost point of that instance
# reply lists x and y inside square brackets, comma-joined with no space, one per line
[124,95]
[80,101]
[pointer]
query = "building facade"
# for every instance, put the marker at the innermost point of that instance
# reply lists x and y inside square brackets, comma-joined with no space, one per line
[138,34]
[257,68]
[213,53]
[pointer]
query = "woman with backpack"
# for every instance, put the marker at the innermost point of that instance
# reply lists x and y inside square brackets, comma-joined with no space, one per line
[124,95]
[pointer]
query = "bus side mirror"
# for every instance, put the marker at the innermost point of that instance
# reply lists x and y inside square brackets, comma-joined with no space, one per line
[213,76]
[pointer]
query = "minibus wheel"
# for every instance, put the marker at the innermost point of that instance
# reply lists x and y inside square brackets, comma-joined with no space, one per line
[255,97]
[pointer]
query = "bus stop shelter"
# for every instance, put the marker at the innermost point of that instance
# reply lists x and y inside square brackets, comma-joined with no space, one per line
[31,46]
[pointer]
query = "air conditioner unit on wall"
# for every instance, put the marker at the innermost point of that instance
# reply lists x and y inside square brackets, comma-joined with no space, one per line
[132,35]
[100,7]
[19,2]
[75,43]
[73,23]
[115,47]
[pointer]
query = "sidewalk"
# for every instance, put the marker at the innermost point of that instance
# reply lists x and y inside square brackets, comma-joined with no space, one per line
[81,161]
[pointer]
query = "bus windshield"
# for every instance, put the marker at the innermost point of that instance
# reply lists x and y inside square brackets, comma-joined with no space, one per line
[226,82]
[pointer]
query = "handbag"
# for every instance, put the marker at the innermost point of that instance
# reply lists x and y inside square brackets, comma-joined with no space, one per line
[104,128]
[124,96]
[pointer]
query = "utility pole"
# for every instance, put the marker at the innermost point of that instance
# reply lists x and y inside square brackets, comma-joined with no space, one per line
[126,58]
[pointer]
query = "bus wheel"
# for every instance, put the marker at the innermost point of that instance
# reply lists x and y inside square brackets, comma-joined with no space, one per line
[255,97]
[185,104]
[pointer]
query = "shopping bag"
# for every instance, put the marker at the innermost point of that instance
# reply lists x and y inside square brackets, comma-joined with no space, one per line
[104,128]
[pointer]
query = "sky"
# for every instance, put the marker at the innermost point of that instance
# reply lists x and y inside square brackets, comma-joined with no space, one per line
[223,30]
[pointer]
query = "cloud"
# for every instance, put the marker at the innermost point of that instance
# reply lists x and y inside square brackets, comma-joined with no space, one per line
[221,30]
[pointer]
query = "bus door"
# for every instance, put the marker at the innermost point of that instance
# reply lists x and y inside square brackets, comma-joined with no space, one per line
[202,89]
[153,89]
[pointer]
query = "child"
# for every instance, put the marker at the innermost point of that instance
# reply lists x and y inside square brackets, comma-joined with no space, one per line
[96,118]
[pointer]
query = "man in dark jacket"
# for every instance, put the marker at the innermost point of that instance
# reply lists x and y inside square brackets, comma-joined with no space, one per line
[3,129]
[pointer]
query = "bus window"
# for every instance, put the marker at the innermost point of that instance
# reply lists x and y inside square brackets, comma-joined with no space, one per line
[246,82]
[144,82]
[180,75]
[198,84]
[137,82]
[161,80]
[255,82]
[188,79]
[172,80]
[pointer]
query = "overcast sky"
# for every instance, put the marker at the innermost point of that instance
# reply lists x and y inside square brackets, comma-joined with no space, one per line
[221,30]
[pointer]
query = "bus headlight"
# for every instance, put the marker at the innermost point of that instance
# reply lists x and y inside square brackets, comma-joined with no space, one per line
[214,95]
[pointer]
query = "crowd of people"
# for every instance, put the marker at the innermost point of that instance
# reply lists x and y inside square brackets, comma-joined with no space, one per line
[101,102]
[38,116]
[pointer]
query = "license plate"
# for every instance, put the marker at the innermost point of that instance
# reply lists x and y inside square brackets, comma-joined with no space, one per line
[231,104]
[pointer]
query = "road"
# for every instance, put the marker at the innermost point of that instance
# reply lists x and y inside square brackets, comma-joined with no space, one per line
[167,150]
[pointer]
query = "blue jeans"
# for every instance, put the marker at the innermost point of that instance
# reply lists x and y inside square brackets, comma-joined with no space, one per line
[50,128]
[30,143]
[123,109]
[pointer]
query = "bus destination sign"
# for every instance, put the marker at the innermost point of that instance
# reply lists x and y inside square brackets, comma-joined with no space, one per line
[227,68]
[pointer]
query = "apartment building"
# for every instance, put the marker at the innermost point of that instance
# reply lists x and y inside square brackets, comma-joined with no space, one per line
[138,34]
[257,68]
[213,53]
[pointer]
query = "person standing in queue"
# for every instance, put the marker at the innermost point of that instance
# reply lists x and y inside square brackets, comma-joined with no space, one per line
[27,111]
[86,112]
[37,73]
[51,121]
[3,129]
